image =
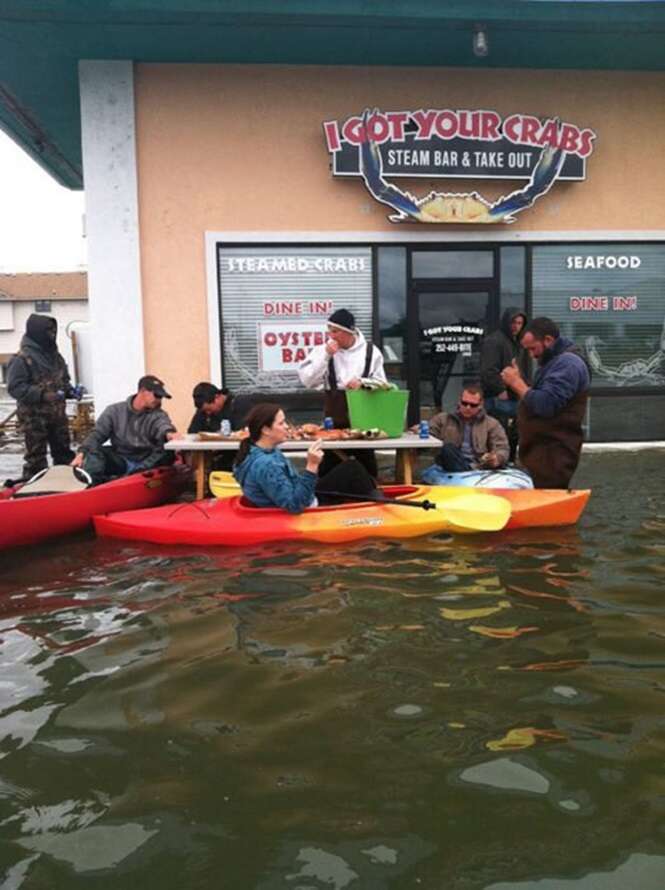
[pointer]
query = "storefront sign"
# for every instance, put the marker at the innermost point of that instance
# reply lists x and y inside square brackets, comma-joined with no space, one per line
[602,304]
[283,345]
[275,265]
[457,144]
[453,339]
[603,262]
[447,143]
[298,307]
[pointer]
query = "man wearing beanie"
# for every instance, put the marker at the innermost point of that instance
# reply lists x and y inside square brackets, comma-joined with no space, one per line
[340,363]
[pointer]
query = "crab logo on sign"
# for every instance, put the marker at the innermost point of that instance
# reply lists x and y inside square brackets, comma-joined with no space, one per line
[463,144]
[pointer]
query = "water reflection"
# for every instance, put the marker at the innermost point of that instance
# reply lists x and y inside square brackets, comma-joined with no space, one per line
[473,713]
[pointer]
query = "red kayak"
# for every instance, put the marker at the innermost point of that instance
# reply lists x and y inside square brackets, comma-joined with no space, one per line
[29,520]
[229,521]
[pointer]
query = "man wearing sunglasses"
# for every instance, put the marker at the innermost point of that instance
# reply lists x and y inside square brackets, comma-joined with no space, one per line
[471,439]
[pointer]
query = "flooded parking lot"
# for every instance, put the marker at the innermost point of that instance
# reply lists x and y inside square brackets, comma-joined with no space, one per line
[476,712]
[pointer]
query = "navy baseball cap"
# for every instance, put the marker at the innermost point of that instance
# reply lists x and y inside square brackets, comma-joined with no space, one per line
[154,384]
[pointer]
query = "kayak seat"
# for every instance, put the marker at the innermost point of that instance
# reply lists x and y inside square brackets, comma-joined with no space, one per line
[61,479]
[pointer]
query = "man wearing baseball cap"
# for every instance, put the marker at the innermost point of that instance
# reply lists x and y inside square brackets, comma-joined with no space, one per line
[137,430]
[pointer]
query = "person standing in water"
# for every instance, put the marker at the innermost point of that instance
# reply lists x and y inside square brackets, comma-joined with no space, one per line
[38,378]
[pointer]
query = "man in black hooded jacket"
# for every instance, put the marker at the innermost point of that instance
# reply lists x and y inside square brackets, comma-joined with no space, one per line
[38,379]
[504,346]
[496,353]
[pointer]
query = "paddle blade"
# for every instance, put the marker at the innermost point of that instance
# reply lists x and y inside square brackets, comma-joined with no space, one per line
[222,484]
[476,512]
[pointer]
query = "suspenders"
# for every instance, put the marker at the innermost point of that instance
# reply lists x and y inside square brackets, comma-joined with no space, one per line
[332,376]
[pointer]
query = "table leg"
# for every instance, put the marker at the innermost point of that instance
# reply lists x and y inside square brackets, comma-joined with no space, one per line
[199,470]
[404,466]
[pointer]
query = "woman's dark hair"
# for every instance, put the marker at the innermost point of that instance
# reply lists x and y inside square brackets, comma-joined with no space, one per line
[261,415]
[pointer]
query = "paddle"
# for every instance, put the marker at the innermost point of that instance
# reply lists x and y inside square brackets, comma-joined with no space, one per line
[475,511]
[471,512]
[223,484]
[379,499]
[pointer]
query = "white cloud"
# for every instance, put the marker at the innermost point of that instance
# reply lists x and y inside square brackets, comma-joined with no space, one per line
[41,222]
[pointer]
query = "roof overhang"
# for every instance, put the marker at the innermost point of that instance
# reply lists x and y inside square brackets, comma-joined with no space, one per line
[41,45]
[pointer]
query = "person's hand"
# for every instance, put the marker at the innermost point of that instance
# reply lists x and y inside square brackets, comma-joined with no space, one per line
[354,384]
[78,460]
[511,375]
[503,396]
[314,456]
[332,346]
[490,459]
[174,434]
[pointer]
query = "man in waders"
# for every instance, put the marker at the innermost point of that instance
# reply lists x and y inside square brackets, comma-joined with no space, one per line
[38,379]
[551,411]
[339,364]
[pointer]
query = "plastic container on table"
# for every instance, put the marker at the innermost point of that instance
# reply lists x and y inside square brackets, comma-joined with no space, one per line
[384,409]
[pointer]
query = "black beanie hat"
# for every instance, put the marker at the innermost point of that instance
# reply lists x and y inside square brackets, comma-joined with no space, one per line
[343,319]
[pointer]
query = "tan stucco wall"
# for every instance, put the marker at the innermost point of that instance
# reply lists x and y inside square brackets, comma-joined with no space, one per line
[241,148]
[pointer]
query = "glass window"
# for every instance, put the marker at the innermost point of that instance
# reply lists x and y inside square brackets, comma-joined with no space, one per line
[391,289]
[608,298]
[513,282]
[275,302]
[42,305]
[452,264]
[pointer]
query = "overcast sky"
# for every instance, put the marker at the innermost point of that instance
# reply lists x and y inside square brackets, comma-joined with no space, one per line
[40,221]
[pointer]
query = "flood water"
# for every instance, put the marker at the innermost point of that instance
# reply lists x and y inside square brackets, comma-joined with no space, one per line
[442,714]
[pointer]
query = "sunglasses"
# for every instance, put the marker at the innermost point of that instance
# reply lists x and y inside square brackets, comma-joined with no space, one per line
[469,404]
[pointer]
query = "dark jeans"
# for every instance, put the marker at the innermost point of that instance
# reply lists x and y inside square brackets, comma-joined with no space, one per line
[505,411]
[501,408]
[348,477]
[451,459]
[104,464]
[365,457]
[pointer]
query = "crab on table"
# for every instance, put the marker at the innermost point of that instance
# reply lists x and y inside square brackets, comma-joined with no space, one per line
[449,207]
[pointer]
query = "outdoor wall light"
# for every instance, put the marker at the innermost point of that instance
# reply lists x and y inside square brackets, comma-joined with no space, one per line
[480,43]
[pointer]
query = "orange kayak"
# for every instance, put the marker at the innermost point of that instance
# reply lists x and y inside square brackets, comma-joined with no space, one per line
[230,522]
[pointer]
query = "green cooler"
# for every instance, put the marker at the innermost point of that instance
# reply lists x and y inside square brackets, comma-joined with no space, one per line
[384,409]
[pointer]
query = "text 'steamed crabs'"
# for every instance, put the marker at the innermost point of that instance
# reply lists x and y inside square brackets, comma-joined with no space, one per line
[447,207]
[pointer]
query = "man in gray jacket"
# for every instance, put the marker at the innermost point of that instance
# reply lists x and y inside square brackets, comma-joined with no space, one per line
[471,439]
[137,429]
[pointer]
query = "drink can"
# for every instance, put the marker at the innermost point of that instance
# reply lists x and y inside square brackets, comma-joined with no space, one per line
[327,423]
[423,431]
[226,428]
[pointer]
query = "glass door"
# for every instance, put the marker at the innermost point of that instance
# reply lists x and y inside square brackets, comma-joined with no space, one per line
[447,325]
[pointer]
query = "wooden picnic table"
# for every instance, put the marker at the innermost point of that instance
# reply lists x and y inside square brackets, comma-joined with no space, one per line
[406,447]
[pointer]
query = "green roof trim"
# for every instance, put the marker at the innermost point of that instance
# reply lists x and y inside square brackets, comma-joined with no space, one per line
[41,44]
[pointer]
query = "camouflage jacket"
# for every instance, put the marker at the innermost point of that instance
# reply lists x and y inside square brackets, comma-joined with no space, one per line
[33,372]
